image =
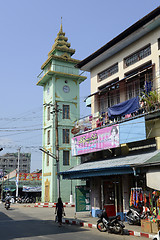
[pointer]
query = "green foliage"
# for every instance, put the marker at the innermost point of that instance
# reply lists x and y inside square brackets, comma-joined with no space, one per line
[150,99]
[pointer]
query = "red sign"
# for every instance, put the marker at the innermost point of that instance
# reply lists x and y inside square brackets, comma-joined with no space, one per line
[30,176]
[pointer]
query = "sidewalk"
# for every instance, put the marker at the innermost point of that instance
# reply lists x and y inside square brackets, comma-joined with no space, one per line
[84,219]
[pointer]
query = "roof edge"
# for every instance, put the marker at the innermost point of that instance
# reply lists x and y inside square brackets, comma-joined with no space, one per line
[147,18]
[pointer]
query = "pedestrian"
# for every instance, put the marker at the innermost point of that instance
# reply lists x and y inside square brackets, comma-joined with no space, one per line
[59,211]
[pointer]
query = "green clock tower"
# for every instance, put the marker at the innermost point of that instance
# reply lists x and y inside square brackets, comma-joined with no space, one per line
[60,81]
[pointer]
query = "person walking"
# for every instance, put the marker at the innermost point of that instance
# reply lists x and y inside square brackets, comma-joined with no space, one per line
[59,211]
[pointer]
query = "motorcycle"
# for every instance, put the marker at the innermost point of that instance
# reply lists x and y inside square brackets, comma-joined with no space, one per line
[26,199]
[7,204]
[110,224]
[157,236]
[134,216]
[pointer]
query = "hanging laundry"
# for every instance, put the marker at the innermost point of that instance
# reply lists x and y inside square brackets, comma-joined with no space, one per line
[131,199]
[148,87]
[136,197]
[150,203]
[145,200]
[141,196]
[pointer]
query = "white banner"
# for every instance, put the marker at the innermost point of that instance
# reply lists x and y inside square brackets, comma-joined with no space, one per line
[31,189]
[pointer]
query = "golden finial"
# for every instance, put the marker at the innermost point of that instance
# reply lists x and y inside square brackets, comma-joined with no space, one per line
[61,25]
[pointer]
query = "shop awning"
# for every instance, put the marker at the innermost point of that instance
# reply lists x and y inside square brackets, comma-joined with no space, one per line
[115,166]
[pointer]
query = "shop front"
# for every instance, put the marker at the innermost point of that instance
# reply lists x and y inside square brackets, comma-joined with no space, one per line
[111,180]
[111,193]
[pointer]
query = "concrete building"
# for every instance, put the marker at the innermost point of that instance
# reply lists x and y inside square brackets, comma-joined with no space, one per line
[9,162]
[60,81]
[119,145]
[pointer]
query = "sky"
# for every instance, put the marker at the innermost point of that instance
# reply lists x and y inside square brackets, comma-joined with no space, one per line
[28,30]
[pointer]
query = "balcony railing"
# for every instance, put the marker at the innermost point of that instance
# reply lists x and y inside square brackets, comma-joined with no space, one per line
[99,120]
[60,68]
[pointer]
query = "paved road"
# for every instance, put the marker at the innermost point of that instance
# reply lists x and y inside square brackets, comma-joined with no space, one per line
[20,223]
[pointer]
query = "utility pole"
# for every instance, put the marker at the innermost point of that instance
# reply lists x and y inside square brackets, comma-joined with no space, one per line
[55,111]
[2,180]
[57,148]
[17,179]
[2,185]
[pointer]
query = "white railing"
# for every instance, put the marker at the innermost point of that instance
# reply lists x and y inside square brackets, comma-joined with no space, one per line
[63,69]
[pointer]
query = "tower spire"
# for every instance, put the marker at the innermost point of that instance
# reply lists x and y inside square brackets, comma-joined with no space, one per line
[61,26]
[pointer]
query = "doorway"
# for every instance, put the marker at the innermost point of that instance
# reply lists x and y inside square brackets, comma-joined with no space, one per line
[112,196]
[47,187]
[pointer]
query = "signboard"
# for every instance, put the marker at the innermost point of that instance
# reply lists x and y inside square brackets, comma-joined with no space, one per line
[94,141]
[31,189]
[30,176]
[132,131]
[82,199]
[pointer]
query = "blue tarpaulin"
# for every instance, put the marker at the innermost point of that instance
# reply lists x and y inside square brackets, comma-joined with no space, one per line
[121,109]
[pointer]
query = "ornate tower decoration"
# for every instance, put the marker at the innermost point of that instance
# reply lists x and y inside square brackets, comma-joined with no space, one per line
[60,81]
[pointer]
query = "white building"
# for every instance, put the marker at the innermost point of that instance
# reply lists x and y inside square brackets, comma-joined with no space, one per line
[124,101]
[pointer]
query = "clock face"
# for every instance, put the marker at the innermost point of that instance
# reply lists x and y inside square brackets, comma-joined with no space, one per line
[66,89]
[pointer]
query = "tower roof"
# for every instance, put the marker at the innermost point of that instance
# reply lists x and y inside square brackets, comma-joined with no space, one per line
[61,49]
[61,44]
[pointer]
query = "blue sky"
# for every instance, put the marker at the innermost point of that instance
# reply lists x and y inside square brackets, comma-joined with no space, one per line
[28,30]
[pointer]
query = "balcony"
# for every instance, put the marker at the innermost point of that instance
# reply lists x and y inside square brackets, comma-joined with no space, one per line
[148,106]
[60,69]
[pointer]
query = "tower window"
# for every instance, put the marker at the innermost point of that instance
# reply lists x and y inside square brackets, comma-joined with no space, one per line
[48,113]
[48,137]
[47,160]
[65,135]
[66,112]
[65,158]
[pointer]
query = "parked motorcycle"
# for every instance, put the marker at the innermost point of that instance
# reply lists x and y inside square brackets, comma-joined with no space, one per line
[7,204]
[134,216]
[25,199]
[157,236]
[110,224]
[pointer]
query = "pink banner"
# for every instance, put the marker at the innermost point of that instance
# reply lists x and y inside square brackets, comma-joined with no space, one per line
[96,140]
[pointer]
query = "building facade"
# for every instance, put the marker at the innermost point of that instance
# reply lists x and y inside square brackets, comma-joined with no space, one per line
[60,81]
[119,142]
[9,162]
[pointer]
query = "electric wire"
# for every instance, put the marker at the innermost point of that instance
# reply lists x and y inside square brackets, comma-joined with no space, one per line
[24,118]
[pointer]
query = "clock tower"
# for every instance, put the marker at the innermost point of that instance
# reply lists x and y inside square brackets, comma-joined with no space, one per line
[60,81]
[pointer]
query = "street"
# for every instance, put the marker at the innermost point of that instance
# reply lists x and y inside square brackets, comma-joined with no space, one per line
[38,223]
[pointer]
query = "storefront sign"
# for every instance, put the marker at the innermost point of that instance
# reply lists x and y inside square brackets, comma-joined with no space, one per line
[31,189]
[82,199]
[30,176]
[94,141]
